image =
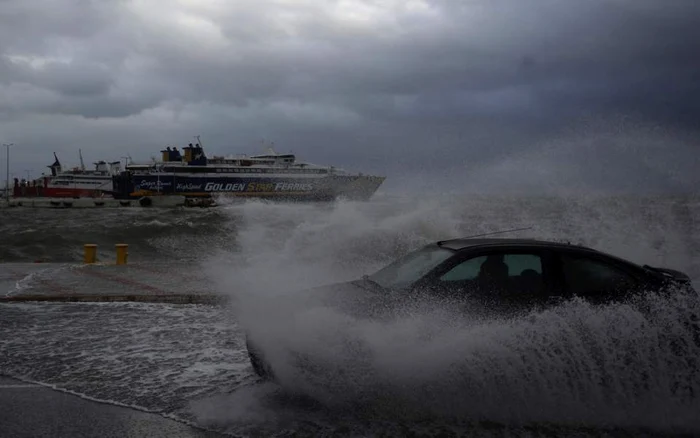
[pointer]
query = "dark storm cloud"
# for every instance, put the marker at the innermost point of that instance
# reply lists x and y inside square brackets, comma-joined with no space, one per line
[396,87]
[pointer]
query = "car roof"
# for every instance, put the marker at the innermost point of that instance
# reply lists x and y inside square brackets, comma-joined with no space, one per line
[464,243]
[496,242]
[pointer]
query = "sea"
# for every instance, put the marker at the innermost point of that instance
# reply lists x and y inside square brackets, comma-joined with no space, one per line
[572,370]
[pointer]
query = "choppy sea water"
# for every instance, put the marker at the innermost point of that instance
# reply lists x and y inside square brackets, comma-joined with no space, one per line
[574,369]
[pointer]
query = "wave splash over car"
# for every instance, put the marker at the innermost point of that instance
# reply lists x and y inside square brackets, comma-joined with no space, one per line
[574,363]
[617,365]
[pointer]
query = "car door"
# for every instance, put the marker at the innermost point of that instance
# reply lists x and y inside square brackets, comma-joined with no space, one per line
[595,278]
[501,280]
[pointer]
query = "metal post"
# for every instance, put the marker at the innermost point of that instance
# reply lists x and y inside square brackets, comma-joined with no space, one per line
[122,253]
[90,253]
[7,171]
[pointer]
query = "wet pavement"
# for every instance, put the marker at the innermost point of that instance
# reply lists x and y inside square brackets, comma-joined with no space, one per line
[30,410]
[103,282]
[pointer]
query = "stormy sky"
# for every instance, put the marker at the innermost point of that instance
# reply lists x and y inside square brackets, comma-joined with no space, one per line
[448,95]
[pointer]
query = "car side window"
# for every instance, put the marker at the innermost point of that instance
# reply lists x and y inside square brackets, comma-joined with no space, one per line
[516,264]
[500,272]
[519,263]
[590,278]
[467,270]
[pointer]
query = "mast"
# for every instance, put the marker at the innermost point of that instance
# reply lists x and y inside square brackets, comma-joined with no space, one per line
[82,164]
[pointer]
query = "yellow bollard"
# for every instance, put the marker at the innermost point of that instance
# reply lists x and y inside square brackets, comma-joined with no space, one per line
[122,253]
[90,253]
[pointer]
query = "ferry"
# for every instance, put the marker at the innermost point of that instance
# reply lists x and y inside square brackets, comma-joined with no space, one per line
[79,182]
[271,175]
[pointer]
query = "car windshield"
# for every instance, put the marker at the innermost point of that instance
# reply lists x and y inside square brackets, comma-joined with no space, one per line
[409,268]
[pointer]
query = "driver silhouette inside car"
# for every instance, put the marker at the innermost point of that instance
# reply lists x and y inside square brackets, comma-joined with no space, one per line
[493,274]
[498,288]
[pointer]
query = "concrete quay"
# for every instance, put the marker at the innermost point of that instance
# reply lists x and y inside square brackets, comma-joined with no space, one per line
[59,282]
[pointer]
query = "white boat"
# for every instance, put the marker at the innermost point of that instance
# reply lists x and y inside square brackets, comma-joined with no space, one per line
[79,182]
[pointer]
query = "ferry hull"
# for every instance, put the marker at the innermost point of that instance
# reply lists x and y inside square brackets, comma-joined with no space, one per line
[327,188]
[51,192]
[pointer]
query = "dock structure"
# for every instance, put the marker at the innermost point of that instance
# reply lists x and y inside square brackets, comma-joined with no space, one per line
[169,201]
[113,280]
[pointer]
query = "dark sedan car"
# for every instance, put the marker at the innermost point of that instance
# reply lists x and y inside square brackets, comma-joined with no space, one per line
[494,276]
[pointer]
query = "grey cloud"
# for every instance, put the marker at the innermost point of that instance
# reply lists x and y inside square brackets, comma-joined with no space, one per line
[40,26]
[69,79]
[328,63]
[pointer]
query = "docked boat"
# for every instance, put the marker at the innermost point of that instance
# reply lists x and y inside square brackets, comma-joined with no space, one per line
[80,182]
[270,175]
[76,182]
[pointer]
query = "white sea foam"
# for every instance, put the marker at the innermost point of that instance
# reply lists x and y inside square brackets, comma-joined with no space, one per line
[34,275]
[152,356]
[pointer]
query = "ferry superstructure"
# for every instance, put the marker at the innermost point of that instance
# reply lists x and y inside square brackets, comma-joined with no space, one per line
[270,175]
